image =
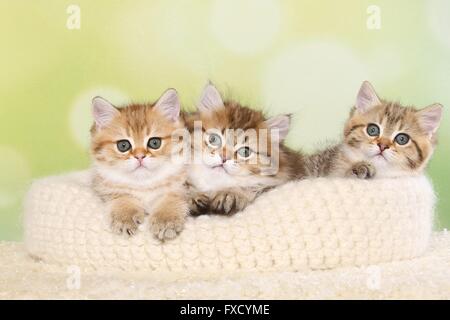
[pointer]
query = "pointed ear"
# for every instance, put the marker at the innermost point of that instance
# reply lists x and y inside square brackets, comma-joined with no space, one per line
[367,98]
[430,118]
[103,111]
[169,105]
[210,99]
[281,123]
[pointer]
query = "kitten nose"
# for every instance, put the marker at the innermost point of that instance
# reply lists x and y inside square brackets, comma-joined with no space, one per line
[383,146]
[140,157]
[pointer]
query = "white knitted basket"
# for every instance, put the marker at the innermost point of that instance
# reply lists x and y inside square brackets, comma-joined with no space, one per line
[303,225]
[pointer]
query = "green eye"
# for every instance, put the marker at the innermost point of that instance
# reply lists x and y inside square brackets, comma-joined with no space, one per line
[215,140]
[402,138]
[123,145]
[244,152]
[373,130]
[154,143]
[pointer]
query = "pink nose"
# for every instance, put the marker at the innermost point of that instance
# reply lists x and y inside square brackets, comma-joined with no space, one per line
[140,157]
[382,147]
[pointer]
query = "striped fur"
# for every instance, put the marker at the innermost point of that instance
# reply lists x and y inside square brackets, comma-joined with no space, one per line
[222,191]
[360,154]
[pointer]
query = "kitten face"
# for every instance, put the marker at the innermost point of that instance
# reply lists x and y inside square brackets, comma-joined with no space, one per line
[234,148]
[134,143]
[396,139]
[236,141]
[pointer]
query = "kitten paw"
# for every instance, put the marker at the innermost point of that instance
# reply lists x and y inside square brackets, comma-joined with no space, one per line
[363,170]
[166,226]
[199,204]
[228,202]
[126,223]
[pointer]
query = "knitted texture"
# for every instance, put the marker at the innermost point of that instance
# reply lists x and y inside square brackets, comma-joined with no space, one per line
[303,225]
[425,277]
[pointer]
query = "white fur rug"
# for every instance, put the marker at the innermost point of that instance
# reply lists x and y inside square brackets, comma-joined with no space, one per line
[427,277]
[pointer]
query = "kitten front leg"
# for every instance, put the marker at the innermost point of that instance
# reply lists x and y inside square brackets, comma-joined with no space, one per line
[126,215]
[167,221]
[230,201]
[362,170]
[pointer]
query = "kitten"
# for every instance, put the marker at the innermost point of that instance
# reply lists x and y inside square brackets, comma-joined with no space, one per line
[238,161]
[380,137]
[133,172]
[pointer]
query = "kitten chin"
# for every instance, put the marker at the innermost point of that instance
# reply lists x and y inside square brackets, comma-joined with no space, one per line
[142,178]
[206,179]
[381,139]
[383,168]
[133,172]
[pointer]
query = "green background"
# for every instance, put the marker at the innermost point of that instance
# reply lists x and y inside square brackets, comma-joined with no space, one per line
[304,57]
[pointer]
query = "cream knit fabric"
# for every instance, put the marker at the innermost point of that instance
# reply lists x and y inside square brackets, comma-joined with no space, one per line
[303,225]
[426,277]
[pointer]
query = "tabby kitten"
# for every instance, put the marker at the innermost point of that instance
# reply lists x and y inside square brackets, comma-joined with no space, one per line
[240,155]
[380,137]
[133,172]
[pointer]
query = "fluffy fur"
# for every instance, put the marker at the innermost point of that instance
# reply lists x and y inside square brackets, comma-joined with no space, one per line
[141,180]
[363,154]
[220,179]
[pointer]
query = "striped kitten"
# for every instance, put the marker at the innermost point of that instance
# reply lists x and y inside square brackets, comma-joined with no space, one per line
[380,137]
[133,172]
[238,161]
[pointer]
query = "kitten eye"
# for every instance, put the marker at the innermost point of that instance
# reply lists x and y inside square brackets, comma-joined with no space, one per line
[215,140]
[123,145]
[245,152]
[402,139]
[154,143]
[373,130]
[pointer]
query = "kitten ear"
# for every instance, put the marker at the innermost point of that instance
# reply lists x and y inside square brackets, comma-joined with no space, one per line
[430,118]
[367,98]
[103,111]
[281,123]
[169,105]
[210,99]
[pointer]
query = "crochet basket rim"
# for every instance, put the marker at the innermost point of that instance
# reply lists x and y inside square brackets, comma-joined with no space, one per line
[312,224]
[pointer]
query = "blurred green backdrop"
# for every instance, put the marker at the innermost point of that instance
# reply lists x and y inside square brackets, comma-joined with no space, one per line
[304,57]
